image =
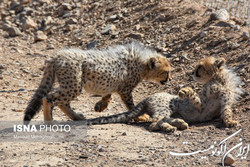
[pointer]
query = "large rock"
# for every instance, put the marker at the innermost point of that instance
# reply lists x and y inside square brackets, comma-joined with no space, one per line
[221,14]
[229,160]
[28,23]
[13,31]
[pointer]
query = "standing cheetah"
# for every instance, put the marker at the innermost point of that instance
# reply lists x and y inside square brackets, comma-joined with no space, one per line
[116,69]
[168,112]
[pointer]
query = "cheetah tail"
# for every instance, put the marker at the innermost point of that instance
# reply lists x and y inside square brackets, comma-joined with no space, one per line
[122,117]
[44,88]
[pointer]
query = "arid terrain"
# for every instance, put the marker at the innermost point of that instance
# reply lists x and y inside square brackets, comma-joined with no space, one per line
[182,30]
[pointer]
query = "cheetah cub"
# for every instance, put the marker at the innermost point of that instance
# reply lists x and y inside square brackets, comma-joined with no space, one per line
[170,112]
[116,69]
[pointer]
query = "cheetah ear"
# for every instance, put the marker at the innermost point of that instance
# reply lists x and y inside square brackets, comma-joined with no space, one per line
[152,63]
[219,62]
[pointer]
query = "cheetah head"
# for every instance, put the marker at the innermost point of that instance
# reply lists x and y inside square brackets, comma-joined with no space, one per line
[159,69]
[207,68]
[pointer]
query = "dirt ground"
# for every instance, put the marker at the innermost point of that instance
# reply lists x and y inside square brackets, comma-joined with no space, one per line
[179,29]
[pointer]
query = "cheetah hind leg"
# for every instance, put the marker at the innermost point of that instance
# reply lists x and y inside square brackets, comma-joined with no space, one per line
[70,113]
[47,110]
[178,123]
[103,103]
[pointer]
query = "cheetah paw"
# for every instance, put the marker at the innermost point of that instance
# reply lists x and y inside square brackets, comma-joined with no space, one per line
[101,106]
[142,118]
[180,124]
[185,92]
[168,128]
[79,116]
[231,123]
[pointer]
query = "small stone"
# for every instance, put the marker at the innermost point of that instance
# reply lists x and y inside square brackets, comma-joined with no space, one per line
[64,9]
[13,5]
[92,44]
[113,17]
[236,27]
[2,66]
[101,150]
[21,89]
[66,6]
[45,22]
[83,156]
[45,1]
[124,134]
[245,35]
[13,31]
[234,45]
[147,133]
[6,26]
[27,11]
[24,1]
[184,57]
[108,29]
[191,24]
[229,160]
[71,21]
[137,27]
[20,102]
[203,34]
[50,46]
[70,27]
[40,36]
[38,54]
[136,35]
[165,18]
[221,14]
[28,23]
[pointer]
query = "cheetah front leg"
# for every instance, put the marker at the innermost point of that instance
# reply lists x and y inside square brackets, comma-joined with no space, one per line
[127,98]
[227,118]
[178,123]
[162,125]
[103,103]
[226,113]
[189,93]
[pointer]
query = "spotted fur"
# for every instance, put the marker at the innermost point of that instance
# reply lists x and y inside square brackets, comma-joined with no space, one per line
[220,91]
[116,69]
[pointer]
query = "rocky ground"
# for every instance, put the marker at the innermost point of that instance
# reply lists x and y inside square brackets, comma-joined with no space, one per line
[183,30]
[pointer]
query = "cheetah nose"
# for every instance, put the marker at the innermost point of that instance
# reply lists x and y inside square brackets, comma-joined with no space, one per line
[169,79]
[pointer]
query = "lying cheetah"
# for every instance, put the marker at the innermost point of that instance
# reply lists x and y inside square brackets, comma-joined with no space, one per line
[220,91]
[116,69]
